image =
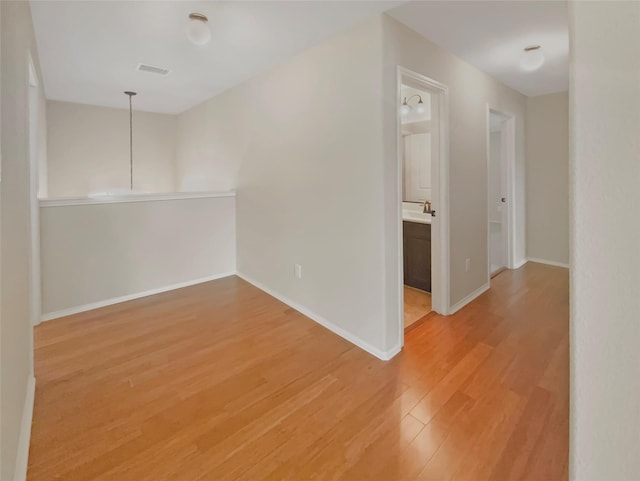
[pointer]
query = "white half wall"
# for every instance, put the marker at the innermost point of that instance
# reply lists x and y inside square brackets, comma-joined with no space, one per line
[605,241]
[88,149]
[94,253]
[547,142]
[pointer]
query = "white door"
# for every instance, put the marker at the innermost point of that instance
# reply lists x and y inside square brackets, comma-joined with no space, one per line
[498,253]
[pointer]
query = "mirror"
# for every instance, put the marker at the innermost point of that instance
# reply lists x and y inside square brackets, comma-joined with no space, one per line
[417,143]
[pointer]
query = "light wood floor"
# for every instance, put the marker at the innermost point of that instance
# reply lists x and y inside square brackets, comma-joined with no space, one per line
[417,304]
[222,382]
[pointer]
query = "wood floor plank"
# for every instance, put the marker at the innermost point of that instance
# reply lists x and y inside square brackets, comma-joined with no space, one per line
[220,381]
[417,304]
[429,406]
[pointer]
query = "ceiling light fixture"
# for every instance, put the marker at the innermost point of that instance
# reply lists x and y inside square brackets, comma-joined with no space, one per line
[532,58]
[197,29]
[405,108]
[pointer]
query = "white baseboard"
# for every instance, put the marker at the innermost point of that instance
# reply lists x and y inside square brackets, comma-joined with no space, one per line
[520,263]
[460,304]
[391,353]
[115,300]
[384,355]
[22,457]
[549,263]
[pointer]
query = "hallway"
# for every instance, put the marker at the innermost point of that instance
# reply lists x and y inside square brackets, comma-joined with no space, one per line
[221,381]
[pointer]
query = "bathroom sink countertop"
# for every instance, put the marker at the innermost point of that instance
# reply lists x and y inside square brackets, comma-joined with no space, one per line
[413,212]
[416,217]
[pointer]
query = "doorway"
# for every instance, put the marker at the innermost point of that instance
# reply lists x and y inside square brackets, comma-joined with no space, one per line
[499,188]
[423,196]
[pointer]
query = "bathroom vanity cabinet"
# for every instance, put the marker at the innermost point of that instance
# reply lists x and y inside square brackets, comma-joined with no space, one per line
[417,255]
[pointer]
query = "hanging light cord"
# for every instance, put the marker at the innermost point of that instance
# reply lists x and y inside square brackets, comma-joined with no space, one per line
[130,94]
[131,142]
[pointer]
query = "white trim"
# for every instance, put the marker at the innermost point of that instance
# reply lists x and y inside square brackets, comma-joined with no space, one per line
[133,198]
[520,263]
[440,228]
[115,300]
[35,288]
[547,262]
[22,456]
[399,200]
[384,355]
[460,304]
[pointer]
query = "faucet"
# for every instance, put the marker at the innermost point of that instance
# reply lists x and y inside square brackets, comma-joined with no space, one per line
[427,207]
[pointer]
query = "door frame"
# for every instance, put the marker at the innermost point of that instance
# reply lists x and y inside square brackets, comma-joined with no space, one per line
[34,204]
[440,244]
[508,155]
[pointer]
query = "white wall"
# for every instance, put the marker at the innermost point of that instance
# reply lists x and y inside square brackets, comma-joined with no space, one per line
[303,141]
[547,143]
[204,158]
[88,149]
[470,90]
[92,253]
[605,240]
[16,333]
[310,140]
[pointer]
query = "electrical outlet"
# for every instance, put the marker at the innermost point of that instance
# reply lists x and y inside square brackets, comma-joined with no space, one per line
[467,264]
[298,271]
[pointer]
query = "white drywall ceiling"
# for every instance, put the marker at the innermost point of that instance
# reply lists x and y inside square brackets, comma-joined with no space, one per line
[492,34]
[89,50]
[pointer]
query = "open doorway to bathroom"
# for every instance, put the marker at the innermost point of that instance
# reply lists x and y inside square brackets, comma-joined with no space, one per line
[419,144]
[421,149]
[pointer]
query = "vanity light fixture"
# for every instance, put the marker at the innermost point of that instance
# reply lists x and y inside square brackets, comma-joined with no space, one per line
[532,58]
[405,108]
[198,31]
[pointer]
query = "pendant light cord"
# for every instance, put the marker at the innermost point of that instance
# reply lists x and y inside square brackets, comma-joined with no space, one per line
[130,94]
[131,141]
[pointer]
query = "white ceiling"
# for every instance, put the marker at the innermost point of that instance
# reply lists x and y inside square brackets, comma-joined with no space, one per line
[492,34]
[89,50]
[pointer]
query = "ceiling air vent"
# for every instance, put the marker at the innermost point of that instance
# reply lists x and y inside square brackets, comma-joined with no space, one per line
[151,69]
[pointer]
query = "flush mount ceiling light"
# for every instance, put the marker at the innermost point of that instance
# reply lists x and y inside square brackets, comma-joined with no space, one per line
[198,31]
[405,108]
[532,58]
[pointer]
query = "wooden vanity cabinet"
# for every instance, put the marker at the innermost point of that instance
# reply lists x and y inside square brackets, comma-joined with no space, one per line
[417,255]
